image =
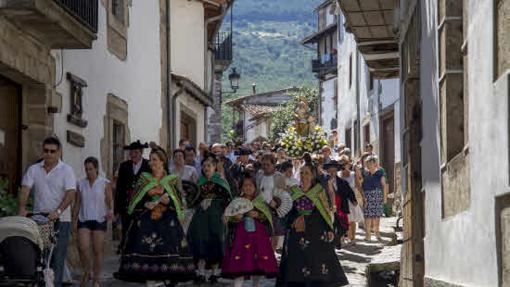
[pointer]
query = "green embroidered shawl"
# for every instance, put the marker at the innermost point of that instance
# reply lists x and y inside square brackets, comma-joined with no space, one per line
[147,182]
[313,194]
[216,178]
[261,206]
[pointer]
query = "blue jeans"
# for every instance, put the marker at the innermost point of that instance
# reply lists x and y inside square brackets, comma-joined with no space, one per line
[58,258]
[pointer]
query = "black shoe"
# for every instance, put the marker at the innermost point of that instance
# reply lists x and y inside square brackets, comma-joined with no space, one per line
[213,279]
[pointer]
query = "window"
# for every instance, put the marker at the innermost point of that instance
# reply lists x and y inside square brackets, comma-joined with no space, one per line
[452,56]
[118,136]
[350,71]
[118,22]
[76,100]
[502,37]
[118,10]
[116,131]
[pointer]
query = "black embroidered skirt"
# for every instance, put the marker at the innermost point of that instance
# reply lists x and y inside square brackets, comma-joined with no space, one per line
[309,259]
[156,250]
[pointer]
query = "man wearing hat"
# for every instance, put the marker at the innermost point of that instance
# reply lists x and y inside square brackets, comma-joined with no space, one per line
[129,172]
[339,193]
[243,164]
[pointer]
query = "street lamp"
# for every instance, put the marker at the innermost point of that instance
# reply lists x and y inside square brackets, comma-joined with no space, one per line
[234,77]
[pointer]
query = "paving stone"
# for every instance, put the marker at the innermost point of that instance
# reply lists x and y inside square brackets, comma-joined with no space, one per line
[354,259]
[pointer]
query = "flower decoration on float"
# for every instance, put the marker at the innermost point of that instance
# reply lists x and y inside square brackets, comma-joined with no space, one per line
[303,135]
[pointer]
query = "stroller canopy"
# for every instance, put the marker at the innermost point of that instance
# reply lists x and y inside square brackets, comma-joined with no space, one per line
[20,226]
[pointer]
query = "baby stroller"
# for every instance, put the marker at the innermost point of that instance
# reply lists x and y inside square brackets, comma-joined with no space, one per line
[26,247]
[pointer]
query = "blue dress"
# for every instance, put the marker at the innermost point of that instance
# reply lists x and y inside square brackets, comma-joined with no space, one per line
[374,193]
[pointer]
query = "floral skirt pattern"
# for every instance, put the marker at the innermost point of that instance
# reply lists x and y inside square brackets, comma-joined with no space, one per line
[155,250]
[309,258]
[374,206]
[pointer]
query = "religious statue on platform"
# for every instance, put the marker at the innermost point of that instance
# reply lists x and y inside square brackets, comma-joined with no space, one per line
[304,122]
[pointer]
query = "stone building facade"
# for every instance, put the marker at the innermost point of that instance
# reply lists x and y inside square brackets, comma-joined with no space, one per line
[453,65]
[29,33]
[368,107]
[324,66]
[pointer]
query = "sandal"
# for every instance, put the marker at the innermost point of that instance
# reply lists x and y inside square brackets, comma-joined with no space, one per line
[85,279]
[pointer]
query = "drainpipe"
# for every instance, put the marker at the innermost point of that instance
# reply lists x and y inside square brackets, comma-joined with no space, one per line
[169,107]
[205,126]
[358,109]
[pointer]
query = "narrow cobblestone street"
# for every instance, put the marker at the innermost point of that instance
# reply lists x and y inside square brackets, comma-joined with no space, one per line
[354,260]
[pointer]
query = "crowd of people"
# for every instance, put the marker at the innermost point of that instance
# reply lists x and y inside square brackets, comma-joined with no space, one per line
[219,211]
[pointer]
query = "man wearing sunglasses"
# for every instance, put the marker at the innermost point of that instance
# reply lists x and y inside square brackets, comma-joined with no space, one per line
[54,186]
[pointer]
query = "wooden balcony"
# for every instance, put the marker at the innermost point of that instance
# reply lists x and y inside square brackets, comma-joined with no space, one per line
[223,52]
[59,24]
[372,23]
[322,68]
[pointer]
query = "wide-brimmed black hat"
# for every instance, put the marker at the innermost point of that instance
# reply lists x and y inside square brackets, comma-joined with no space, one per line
[332,163]
[242,151]
[136,146]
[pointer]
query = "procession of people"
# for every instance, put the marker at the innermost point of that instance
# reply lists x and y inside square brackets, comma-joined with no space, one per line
[227,211]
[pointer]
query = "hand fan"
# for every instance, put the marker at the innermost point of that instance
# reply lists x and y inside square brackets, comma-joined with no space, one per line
[285,202]
[238,206]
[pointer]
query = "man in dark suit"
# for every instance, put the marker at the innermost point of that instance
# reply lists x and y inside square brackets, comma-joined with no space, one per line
[340,194]
[129,172]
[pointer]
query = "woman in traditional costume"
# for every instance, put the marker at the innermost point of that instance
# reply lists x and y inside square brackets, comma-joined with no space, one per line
[250,252]
[206,233]
[309,257]
[155,249]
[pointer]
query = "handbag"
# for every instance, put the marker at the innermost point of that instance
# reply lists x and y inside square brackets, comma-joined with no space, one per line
[355,213]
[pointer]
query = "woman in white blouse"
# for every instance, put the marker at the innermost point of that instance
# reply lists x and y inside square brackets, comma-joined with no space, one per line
[91,212]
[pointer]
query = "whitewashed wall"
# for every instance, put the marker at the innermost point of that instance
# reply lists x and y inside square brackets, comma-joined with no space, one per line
[462,249]
[328,104]
[260,130]
[137,80]
[188,40]
[384,95]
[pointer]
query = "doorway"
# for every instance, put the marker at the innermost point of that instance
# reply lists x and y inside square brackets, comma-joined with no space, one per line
[10,134]
[188,128]
[388,148]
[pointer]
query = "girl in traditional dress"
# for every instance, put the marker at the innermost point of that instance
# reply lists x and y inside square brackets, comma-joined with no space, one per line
[206,233]
[250,252]
[155,248]
[309,257]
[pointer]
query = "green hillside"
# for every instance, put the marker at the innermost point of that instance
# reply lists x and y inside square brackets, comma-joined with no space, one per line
[267,49]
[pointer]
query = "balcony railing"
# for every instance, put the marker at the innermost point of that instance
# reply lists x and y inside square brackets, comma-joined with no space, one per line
[325,65]
[83,11]
[223,47]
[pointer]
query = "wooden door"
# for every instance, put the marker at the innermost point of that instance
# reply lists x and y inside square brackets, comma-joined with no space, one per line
[413,256]
[388,149]
[188,128]
[10,135]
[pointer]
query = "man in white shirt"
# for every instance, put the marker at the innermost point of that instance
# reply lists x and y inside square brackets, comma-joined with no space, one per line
[269,181]
[54,186]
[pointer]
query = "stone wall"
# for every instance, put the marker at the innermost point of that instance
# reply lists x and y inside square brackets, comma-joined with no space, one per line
[215,127]
[30,64]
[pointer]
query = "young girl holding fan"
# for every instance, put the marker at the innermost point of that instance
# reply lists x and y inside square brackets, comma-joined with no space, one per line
[249,252]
